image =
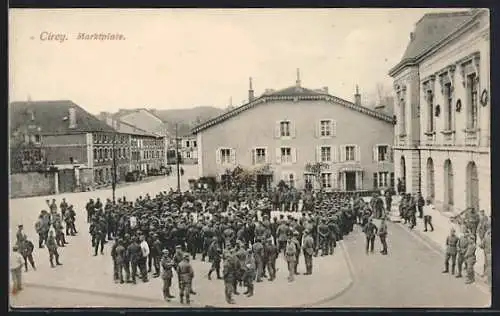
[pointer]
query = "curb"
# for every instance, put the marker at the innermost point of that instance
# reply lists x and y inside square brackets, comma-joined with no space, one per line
[344,289]
[478,279]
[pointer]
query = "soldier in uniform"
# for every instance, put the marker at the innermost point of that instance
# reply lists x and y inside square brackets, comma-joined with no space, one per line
[486,246]
[249,274]
[258,254]
[370,231]
[291,258]
[282,233]
[52,247]
[229,277]
[308,249]
[462,245]
[271,253]
[451,252]
[214,256]
[135,254]
[27,252]
[382,233]
[295,240]
[155,253]
[323,232]
[119,256]
[99,236]
[167,264]
[186,275]
[470,258]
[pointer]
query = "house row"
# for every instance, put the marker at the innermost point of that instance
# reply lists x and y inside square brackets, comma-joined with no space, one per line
[442,136]
[57,146]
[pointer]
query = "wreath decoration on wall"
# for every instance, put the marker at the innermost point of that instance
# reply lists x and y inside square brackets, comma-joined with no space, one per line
[438,110]
[484,97]
[458,106]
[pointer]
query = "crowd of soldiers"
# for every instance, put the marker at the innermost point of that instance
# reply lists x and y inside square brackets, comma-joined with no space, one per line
[461,250]
[233,230]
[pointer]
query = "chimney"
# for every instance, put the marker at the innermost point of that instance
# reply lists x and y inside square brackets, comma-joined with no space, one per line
[297,82]
[357,97]
[250,92]
[72,117]
[412,36]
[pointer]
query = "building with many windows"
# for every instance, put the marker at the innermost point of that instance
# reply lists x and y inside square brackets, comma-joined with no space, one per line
[442,86]
[280,132]
[188,149]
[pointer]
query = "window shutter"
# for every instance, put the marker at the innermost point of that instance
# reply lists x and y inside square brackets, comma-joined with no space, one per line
[316,129]
[293,131]
[277,131]
[357,153]
[254,158]
[266,155]
[342,153]
[233,155]
[318,153]
[334,180]
[278,155]
[294,155]
[218,156]
[391,153]
[375,153]
[334,128]
[375,180]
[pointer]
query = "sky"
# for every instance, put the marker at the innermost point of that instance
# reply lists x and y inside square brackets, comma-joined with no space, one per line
[182,58]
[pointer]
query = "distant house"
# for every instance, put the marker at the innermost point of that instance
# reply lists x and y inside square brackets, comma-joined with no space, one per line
[189,149]
[279,133]
[78,145]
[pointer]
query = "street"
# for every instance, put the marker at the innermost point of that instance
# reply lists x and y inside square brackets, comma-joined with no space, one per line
[410,276]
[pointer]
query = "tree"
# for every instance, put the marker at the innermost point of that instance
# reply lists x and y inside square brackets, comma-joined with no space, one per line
[316,169]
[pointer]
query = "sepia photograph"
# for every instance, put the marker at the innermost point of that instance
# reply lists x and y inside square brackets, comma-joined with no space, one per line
[249,158]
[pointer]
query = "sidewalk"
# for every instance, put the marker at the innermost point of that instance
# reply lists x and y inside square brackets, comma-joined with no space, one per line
[331,277]
[442,226]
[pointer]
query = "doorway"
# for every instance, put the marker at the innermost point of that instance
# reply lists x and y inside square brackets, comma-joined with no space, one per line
[350,181]
[472,186]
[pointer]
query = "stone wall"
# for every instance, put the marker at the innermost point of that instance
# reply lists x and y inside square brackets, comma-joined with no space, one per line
[31,184]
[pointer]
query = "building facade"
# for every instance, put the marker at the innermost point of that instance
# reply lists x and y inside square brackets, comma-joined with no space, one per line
[189,149]
[284,131]
[442,139]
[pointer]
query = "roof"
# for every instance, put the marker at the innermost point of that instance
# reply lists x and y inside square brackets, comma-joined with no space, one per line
[124,112]
[126,128]
[53,117]
[429,31]
[291,94]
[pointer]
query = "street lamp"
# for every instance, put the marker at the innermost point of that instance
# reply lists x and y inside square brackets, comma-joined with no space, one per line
[177,159]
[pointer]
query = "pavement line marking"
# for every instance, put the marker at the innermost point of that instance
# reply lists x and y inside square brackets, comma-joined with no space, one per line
[416,236]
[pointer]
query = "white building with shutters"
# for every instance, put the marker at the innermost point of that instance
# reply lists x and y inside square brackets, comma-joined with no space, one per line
[282,131]
[442,84]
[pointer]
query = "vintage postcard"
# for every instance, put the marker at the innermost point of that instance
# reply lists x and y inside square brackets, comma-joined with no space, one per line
[216,158]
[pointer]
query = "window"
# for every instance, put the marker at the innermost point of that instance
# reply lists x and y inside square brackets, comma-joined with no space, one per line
[392,179]
[325,128]
[194,143]
[285,129]
[188,154]
[37,138]
[350,153]
[448,115]
[326,180]
[430,111]
[381,179]
[326,154]
[383,153]
[187,143]
[472,101]
[225,155]
[260,155]
[96,157]
[286,155]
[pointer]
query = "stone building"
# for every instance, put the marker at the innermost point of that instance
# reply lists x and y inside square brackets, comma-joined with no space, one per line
[442,87]
[278,133]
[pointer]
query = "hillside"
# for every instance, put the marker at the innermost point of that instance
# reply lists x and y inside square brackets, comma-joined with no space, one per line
[187,118]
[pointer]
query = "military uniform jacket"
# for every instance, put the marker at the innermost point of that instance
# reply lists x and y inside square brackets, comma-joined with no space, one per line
[228,271]
[167,264]
[282,232]
[27,248]
[258,250]
[185,272]
[308,245]
[134,252]
[291,251]
[270,252]
[120,254]
[470,254]
[51,243]
[451,244]
[370,230]
[382,229]
[462,245]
